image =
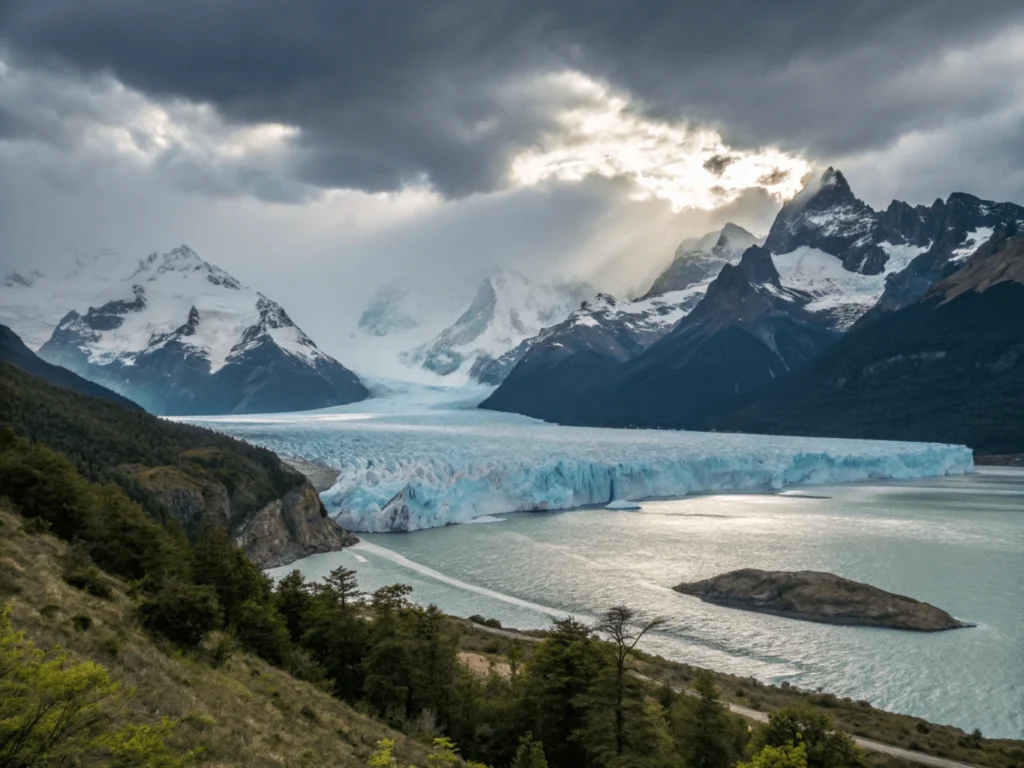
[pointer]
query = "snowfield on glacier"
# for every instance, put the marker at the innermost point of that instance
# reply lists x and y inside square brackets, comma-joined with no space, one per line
[425,457]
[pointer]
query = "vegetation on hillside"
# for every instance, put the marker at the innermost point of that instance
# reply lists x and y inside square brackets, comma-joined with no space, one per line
[110,444]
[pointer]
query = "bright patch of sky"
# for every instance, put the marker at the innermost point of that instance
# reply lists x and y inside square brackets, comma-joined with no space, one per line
[688,166]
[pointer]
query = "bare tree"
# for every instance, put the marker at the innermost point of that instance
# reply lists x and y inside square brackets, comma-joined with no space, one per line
[625,630]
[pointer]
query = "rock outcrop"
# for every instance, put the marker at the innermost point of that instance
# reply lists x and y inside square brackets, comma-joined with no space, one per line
[818,596]
[290,528]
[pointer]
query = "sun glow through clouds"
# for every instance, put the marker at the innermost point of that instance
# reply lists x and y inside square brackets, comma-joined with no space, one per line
[688,166]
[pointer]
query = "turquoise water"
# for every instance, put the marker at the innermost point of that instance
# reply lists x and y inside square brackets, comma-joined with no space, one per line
[957,542]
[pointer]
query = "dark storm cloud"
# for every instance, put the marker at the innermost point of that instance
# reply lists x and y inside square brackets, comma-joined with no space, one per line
[777,176]
[391,92]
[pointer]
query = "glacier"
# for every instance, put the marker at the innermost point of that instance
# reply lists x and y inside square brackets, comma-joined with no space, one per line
[439,461]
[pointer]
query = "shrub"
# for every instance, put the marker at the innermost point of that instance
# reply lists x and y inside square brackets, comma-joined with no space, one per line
[88,579]
[36,526]
[261,629]
[112,645]
[183,613]
[219,648]
[81,622]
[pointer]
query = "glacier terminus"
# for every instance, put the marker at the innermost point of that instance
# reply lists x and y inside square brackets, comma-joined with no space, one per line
[409,466]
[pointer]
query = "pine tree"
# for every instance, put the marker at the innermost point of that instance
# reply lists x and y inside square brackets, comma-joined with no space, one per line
[343,581]
[530,753]
[618,624]
[703,726]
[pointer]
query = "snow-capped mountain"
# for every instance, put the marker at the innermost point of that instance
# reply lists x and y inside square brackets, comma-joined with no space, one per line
[746,330]
[853,259]
[181,336]
[612,324]
[834,263]
[698,260]
[948,367]
[507,309]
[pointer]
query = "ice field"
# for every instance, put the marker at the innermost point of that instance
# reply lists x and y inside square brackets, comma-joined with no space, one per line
[428,458]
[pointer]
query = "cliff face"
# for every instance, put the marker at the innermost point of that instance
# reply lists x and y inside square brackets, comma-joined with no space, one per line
[817,596]
[287,528]
[290,528]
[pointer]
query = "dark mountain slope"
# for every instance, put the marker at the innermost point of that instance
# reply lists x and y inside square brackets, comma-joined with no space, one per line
[175,471]
[746,332]
[567,360]
[14,351]
[948,368]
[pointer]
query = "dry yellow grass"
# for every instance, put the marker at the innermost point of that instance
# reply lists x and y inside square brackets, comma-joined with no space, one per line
[483,665]
[246,713]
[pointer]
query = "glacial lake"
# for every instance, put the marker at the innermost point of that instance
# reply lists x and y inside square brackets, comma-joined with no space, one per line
[954,541]
[957,542]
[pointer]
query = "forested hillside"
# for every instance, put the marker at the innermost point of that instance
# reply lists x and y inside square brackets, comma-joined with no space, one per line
[174,471]
[14,351]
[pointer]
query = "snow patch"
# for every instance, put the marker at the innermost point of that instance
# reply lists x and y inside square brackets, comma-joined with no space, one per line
[834,290]
[971,244]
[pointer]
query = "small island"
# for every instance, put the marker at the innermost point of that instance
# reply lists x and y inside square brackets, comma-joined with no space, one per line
[818,596]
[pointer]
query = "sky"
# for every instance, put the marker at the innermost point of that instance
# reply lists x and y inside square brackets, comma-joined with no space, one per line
[318,148]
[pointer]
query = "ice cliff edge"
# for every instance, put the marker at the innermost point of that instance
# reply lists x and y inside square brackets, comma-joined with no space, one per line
[414,494]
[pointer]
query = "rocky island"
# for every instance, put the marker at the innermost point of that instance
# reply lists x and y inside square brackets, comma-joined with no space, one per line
[818,596]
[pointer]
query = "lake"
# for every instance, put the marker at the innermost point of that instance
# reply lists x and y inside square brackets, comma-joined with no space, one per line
[956,542]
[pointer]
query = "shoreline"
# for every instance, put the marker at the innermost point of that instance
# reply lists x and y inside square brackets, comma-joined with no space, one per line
[754,699]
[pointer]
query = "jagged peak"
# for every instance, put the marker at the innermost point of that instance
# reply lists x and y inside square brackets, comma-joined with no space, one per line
[182,260]
[826,191]
[600,302]
[757,265]
[754,268]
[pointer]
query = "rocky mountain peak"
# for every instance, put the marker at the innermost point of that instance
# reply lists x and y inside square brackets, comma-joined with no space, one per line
[755,268]
[827,215]
[830,190]
[735,235]
[697,261]
[183,260]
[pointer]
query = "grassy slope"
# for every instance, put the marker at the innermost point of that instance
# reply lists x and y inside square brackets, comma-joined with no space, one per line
[858,718]
[246,713]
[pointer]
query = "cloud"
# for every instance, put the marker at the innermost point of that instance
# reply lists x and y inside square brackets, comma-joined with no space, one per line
[390,94]
[717,164]
[320,149]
